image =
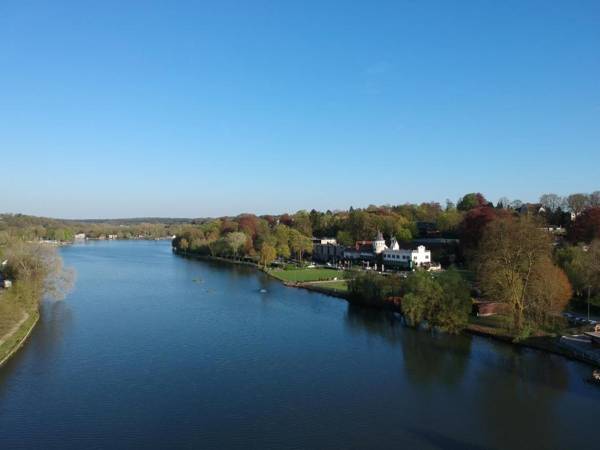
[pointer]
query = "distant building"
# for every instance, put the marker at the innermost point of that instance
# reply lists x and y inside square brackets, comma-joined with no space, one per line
[80,236]
[324,241]
[532,209]
[379,245]
[396,257]
[327,249]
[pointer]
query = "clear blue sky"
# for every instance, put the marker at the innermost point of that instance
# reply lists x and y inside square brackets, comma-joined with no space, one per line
[124,108]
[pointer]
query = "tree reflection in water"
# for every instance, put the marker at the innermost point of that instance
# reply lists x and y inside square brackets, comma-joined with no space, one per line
[429,357]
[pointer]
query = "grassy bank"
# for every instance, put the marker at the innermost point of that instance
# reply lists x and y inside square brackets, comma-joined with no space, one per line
[305,275]
[13,342]
[18,315]
[340,286]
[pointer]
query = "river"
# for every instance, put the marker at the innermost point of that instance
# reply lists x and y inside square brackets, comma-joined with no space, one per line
[151,350]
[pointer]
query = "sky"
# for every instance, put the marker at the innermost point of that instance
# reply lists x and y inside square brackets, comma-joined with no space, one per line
[193,109]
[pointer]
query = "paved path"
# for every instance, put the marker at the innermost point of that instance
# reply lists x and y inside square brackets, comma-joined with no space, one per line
[581,345]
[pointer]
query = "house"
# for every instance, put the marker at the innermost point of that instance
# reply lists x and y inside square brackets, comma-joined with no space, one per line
[393,256]
[324,241]
[396,257]
[532,209]
[483,308]
[80,236]
[327,249]
[362,250]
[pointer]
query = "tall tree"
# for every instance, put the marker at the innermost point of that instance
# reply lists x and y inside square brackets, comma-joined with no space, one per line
[513,260]
[578,202]
[236,241]
[552,202]
[267,254]
[470,201]
[586,226]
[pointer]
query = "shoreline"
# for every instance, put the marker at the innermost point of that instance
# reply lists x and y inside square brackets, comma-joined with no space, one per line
[28,324]
[545,344]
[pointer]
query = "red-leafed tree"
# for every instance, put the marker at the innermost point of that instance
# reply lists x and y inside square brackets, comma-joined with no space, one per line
[248,224]
[286,220]
[586,226]
[471,201]
[473,224]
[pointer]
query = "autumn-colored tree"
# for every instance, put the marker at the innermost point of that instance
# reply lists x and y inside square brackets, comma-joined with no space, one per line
[470,201]
[228,226]
[299,243]
[586,226]
[473,224]
[183,244]
[514,265]
[236,241]
[248,223]
[578,202]
[267,254]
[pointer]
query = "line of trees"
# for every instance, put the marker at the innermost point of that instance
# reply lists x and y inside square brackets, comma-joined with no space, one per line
[31,228]
[440,301]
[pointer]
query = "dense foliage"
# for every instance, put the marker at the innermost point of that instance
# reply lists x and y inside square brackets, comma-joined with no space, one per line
[514,262]
[30,228]
[437,301]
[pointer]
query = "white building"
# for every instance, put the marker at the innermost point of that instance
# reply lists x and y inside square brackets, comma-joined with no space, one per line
[80,236]
[324,241]
[379,244]
[410,258]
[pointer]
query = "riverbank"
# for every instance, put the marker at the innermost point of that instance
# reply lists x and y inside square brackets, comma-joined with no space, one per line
[11,342]
[550,344]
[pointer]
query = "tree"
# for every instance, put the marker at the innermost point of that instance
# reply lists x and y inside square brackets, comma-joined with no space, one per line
[443,302]
[452,312]
[302,223]
[40,267]
[283,250]
[513,264]
[473,224]
[551,202]
[299,244]
[595,198]
[586,226]
[236,241]
[552,292]
[422,294]
[183,244]
[344,238]
[503,203]
[578,202]
[470,201]
[267,254]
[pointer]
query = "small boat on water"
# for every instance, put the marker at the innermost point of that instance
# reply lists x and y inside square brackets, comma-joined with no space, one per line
[595,377]
[263,291]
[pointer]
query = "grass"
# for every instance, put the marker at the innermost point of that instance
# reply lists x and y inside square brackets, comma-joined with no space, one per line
[13,304]
[495,325]
[304,275]
[16,338]
[335,286]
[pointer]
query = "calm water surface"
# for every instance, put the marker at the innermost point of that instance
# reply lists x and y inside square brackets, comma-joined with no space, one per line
[151,350]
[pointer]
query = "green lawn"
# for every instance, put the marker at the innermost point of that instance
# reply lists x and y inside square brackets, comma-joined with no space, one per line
[335,286]
[303,275]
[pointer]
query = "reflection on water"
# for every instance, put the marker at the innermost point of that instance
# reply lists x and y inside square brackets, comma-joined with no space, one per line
[429,357]
[144,355]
